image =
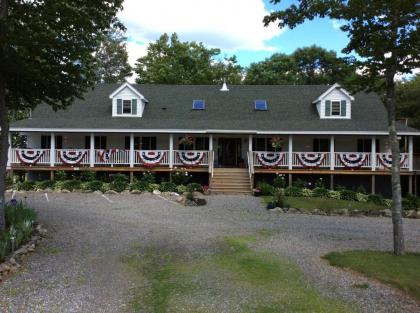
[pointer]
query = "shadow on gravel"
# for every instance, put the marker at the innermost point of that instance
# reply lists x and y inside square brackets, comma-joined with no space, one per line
[235,278]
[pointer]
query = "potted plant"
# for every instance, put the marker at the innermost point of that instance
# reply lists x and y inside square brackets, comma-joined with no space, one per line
[277,143]
[187,141]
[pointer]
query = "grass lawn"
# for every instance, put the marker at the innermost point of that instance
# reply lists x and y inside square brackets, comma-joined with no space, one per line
[402,272]
[328,204]
[234,278]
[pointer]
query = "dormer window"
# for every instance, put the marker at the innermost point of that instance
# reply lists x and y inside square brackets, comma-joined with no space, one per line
[335,108]
[127,107]
[199,105]
[261,105]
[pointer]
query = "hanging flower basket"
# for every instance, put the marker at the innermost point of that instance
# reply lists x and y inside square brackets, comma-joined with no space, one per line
[187,141]
[277,143]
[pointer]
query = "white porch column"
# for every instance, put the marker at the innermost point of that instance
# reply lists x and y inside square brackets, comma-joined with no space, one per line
[290,152]
[332,153]
[373,154]
[52,150]
[171,150]
[131,155]
[211,142]
[410,153]
[92,150]
[250,143]
[9,155]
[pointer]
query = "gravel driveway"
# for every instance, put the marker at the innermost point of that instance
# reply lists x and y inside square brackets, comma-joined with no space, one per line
[79,269]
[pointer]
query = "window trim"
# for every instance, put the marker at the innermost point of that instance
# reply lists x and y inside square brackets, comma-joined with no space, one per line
[126,105]
[347,111]
[124,99]
[339,108]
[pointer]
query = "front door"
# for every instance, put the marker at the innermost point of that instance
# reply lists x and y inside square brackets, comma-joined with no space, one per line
[229,152]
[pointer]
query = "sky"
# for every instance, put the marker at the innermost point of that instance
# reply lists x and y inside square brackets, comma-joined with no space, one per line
[234,26]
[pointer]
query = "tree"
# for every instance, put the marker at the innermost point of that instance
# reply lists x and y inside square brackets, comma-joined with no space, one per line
[385,34]
[408,101]
[170,61]
[112,58]
[46,56]
[306,66]
[279,69]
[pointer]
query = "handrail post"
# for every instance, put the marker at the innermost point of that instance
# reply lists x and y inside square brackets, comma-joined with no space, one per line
[52,150]
[290,152]
[332,153]
[92,150]
[373,154]
[9,153]
[171,150]
[131,155]
[410,153]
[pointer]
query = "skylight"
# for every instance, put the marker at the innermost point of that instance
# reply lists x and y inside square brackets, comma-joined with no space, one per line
[199,105]
[261,105]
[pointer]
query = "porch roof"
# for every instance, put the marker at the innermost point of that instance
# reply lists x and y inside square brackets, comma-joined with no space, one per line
[290,109]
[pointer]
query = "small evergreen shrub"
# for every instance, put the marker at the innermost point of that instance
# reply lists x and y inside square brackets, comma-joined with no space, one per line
[93,185]
[334,194]
[26,185]
[376,198]
[181,189]
[194,187]
[148,177]
[361,197]
[293,191]
[44,184]
[265,188]
[71,184]
[320,192]
[154,187]
[119,182]
[279,181]
[60,175]
[87,176]
[167,186]
[348,195]
[180,176]
[410,202]
[306,192]
[106,187]
[299,183]
[141,186]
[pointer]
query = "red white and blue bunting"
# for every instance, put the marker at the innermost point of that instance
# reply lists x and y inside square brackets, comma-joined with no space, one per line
[386,159]
[151,158]
[352,160]
[270,159]
[191,158]
[71,157]
[311,159]
[29,156]
[106,154]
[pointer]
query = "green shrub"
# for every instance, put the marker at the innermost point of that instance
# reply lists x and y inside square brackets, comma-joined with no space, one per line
[320,192]
[334,194]
[299,183]
[361,189]
[388,203]
[141,186]
[376,198]
[60,175]
[180,176]
[306,192]
[148,177]
[280,201]
[194,187]
[26,185]
[106,187]
[348,195]
[44,184]
[71,184]
[320,183]
[167,186]
[279,181]
[410,202]
[154,187]
[361,197]
[181,189]
[293,191]
[119,177]
[9,181]
[17,213]
[93,185]
[87,176]
[340,188]
[266,189]
[119,185]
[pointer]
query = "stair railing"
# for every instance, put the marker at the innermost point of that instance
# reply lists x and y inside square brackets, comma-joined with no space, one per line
[250,155]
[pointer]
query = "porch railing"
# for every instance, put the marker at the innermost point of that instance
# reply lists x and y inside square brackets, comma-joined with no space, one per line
[203,159]
[60,159]
[164,161]
[18,159]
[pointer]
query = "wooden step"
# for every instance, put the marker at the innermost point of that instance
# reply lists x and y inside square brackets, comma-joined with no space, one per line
[230,181]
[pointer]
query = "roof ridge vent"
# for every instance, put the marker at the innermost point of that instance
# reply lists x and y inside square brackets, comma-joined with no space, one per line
[224,87]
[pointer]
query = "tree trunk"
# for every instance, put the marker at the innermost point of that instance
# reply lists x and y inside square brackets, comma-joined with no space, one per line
[395,170]
[4,149]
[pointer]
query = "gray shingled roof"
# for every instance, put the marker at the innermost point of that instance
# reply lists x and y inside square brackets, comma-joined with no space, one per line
[170,107]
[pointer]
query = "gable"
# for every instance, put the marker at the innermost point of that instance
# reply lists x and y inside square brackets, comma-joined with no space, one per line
[335,103]
[127,102]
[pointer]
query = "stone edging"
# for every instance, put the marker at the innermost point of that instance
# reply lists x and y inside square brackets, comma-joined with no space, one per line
[12,264]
